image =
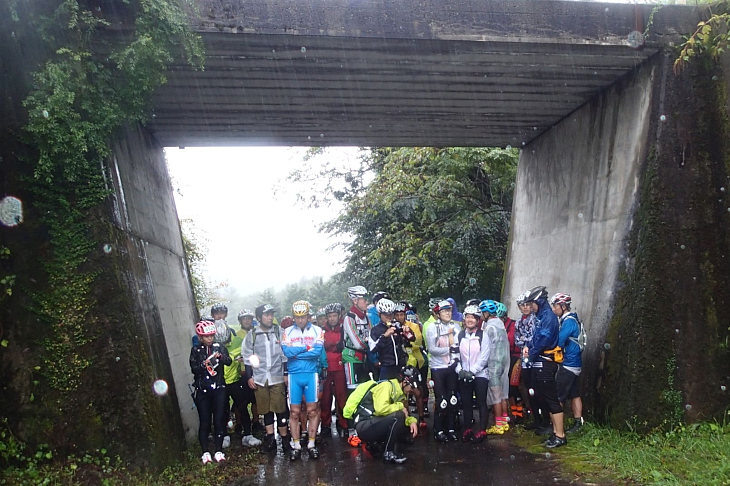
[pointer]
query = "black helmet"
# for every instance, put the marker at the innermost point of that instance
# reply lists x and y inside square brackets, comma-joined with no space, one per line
[409,307]
[433,302]
[380,295]
[536,293]
[472,302]
[263,308]
[410,376]
[334,308]
[219,307]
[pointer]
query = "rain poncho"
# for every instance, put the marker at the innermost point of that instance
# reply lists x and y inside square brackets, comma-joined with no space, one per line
[498,364]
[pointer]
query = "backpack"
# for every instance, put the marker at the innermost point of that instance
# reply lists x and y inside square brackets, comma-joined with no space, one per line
[277,331]
[462,334]
[581,340]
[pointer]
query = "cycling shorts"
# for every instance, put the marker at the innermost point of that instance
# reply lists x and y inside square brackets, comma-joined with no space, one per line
[303,385]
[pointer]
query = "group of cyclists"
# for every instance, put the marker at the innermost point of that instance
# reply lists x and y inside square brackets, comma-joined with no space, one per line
[365,373]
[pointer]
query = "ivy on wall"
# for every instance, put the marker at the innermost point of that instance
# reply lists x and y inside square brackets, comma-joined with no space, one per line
[94,82]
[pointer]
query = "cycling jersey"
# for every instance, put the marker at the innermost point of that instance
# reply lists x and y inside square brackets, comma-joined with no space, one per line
[303,348]
[570,327]
[440,337]
[209,376]
[357,331]
[474,352]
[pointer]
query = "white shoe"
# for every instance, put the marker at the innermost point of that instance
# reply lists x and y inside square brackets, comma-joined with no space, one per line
[220,457]
[206,458]
[227,442]
[250,441]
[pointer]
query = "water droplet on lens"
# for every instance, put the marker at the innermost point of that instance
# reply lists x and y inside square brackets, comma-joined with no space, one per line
[531,391]
[230,424]
[254,360]
[714,78]
[607,346]
[509,147]
[534,128]
[688,407]
[309,137]
[722,189]
[606,10]
[321,135]
[677,331]
[304,49]
[547,455]
[723,388]
[663,118]
[45,113]
[512,458]
[117,359]
[580,215]
[160,387]
[107,248]
[682,247]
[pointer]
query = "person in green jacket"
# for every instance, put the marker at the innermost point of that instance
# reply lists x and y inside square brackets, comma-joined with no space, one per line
[381,416]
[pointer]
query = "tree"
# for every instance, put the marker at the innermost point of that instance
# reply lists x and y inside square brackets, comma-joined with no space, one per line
[267,297]
[195,254]
[433,221]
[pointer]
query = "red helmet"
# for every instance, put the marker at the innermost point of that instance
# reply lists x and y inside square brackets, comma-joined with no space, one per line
[287,321]
[205,328]
[560,299]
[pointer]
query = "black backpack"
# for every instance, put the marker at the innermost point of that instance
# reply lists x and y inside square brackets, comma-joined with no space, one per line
[462,334]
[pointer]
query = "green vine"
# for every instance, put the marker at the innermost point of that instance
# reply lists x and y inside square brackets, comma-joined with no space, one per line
[80,98]
[711,37]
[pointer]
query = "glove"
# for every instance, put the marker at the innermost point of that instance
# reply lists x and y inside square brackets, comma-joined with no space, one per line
[462,375]
[469,377]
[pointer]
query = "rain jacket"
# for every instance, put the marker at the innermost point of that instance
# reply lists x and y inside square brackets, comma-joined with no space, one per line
[205,379]
[510,326]
[495,333]
[546,332]
[389,349]
[233,371]
[413,349]
[456,316]
[333,345]
[379,399]
[357,331]
[303,348]
[266,345]
[570,328]
[474,351]
[440,337]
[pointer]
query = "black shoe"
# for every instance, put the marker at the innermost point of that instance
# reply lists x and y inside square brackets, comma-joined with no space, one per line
[576,426]
[374,448]
[286,444]
[544,431]
[441,436]
[295,454]
[548,439]
[556,442]
[452,436]
[268,445]
[393,458]
[313,453]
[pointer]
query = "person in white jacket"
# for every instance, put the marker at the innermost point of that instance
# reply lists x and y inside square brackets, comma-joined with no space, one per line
[498,366]
[443,355]
[474,352]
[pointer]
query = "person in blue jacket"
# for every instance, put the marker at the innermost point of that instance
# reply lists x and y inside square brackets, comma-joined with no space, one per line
[302,344]
[568,378]
[544,354]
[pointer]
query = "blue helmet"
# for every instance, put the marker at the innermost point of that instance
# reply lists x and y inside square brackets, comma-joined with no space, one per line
[501,310]
[488,306]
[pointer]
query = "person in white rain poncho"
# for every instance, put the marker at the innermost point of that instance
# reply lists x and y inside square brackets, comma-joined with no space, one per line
[498,366]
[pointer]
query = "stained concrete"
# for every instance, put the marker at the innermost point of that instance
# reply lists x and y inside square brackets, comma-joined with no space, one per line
[573,205]
[144,208]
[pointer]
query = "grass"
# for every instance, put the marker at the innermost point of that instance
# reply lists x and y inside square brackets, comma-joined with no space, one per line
[686,455]
[101,470]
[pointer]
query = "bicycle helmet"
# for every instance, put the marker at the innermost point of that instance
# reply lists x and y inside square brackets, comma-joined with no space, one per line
[536,293]
[473,311]
[443,305]
[262,309]
[501,310]
[409,307]
[245,313]
[409,375]
[321,312]
[334,308]
[356,292]
[205,328]
[385,306]
[563,299]
[521,298]
[380,295]
[218,307]
[207,318]
[300,308]
[488,306]
[433,302]
[400,307]
[411,316]
[474,302]
[287,321]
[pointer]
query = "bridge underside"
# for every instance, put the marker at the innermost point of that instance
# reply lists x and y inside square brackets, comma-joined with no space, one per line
[315,90]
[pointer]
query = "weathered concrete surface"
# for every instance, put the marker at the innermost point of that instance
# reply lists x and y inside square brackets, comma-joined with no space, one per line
[574,198]
[402,73]
[144,209]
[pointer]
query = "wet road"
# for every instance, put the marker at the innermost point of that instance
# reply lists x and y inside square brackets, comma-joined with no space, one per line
[495,462]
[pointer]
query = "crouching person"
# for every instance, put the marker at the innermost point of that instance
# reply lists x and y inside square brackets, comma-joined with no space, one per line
[381,415]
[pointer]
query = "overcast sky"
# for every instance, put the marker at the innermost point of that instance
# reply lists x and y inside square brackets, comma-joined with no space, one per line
[228,192]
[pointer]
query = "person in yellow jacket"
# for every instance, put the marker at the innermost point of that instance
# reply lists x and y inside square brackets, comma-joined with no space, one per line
[381,414]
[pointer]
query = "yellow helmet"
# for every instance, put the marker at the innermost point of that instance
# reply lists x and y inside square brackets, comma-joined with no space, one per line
[300,308]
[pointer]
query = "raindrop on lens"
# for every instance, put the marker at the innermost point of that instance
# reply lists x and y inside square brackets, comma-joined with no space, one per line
[531,391]
[160,387]
[580,215]
[677,331]
[117,359]
[321,135]
[512,458]
[509,147]
[723,388]
[663,118]
[606,9]
[714,78]
[722,189]
[107,248]
[230,424]
[547,455]
[254,360]
[688,407]
[304,49]
[607,346]
[45,113]
[682,247]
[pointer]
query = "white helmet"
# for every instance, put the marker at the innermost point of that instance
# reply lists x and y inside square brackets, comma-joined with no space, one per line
[385,306]
[300,308]
[356,292]
[473,310]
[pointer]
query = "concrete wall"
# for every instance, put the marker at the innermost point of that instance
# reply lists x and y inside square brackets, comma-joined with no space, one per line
[144,209]
[575,191]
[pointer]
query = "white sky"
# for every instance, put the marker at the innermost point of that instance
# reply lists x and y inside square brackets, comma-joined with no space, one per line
[251,237]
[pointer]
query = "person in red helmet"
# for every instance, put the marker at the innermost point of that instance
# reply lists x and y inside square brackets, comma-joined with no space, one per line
[207,360]
[335,385]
